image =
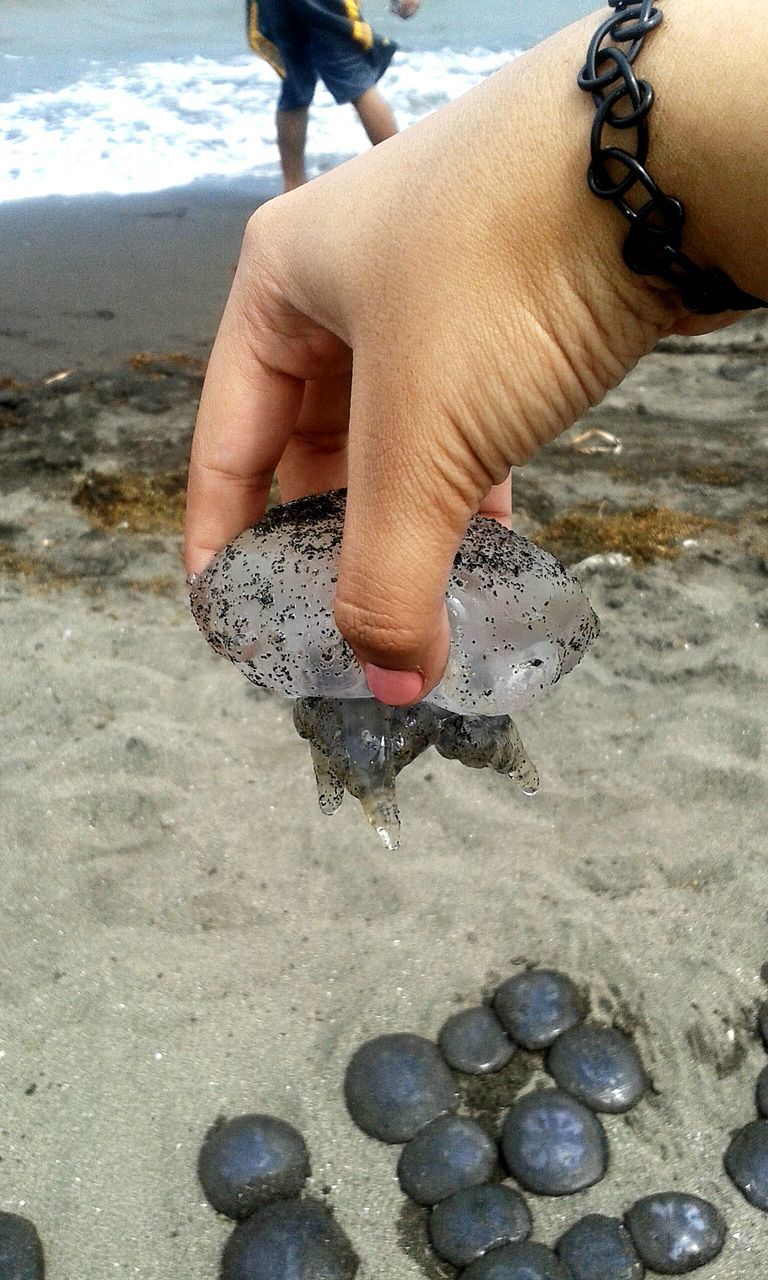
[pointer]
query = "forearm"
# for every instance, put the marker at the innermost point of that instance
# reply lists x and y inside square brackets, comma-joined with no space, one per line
[709,144]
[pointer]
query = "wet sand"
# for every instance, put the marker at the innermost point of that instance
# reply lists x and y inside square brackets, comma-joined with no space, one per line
[183,935]
[93,279]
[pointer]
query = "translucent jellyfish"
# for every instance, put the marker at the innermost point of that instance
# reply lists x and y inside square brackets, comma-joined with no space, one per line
[518,619]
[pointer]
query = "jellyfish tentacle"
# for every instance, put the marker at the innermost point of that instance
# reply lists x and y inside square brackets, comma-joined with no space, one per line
[318,720]
[514,760]
[368,735]
[330,787]
[487,742]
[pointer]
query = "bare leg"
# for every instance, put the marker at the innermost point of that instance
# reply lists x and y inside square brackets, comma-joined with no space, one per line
[375,115]
[291,141]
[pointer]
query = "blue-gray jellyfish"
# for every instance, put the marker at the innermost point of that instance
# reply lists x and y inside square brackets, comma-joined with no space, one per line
[523,1261]
[538,1005]
[251,1160]
[599,1248]
[675,1233]
[761,1092]
[474,1041]
[473,1221]
[762,1022]
[448,1155]
[553,1145]
[396,1084]
[290,1239]
[746,1162]
[600,1066]
[21,1252]
[518,619]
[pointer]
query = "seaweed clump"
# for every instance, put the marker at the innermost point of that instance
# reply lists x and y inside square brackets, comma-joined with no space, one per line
[133,500]
[646,534]
[165,363]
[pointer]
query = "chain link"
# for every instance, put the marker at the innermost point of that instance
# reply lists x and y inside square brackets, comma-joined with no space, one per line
[622,102]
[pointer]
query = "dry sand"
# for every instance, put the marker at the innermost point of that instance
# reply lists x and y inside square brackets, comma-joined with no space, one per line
[185,936]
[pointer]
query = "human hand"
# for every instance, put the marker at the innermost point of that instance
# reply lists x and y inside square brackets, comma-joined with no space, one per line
[404,8]
[413,324]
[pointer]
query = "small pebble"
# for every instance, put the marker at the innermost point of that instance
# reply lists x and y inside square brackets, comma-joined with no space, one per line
[761,1092]
[517,1262]
[289,1240]
[469,1223]
[474,1041]
[599,1248]
[396,1084]
[21,1253]
[746,1162]
[448,1155]
[251,1160]
[537,1006]
[675,1233]
[552,1144]
[599,1066]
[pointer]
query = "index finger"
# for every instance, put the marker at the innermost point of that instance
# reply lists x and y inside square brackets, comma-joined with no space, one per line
[247,413]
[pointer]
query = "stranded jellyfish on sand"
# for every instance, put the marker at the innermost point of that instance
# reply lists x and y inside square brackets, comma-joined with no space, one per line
[518,621]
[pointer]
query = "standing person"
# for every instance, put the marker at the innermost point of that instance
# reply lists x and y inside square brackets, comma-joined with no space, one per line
[307,40]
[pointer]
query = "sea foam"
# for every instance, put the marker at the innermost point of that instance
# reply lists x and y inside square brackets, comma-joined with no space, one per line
[156,125]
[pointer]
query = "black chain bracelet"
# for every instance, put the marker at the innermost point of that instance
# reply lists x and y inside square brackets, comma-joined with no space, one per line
[652,246]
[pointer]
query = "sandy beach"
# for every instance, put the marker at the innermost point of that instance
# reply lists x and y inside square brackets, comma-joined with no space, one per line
[184,936]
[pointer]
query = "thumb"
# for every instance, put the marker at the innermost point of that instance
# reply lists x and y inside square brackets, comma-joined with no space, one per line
[413,488]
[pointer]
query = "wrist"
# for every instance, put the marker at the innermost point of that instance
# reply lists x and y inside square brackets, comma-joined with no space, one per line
[573,242]
[706,148]
[694,199]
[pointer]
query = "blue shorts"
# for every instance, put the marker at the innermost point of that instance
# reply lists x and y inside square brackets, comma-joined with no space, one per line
[311,40]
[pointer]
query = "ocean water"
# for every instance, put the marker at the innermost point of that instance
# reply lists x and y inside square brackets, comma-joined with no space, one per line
[104,96]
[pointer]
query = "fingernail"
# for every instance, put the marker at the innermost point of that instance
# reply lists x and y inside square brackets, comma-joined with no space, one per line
[396,688]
